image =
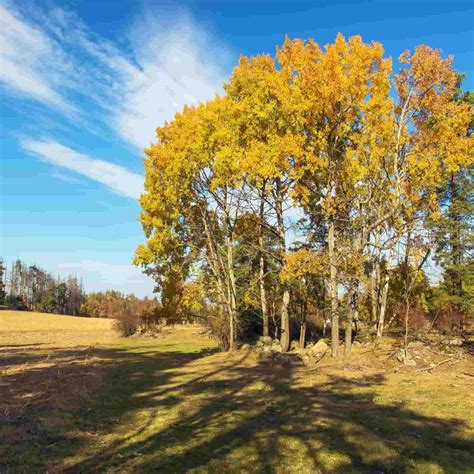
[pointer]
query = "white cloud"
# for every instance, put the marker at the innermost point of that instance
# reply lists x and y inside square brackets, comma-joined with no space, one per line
[65,177]
[30,62]
[113,176]
[177,66]
[54,58]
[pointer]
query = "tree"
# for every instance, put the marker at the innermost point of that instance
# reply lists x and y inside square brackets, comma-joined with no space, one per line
[268,143]
[2,282]
[341,96]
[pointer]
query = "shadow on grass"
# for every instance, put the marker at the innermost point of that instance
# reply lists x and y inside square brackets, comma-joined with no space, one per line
[175,411]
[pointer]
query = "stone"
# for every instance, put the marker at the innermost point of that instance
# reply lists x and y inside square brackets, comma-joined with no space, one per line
[276,347]
[318,348]
[401,355]
[265,339]
[405,358]
[294,345]
[245,347]
[455,342]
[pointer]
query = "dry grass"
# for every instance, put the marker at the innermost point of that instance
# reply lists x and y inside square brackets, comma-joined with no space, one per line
[77,398]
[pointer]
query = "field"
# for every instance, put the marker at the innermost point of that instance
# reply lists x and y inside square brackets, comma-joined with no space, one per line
[77,398]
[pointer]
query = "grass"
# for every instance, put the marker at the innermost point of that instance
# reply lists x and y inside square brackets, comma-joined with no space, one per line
[76,398]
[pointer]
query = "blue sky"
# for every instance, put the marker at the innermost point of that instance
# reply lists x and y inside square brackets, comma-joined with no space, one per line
[83,85]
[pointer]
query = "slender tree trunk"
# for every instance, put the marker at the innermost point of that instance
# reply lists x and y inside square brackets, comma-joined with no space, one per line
[353,315]
[348,335]
[373,296]
[302,340]
[304,315]
[455,241]
[407,321]
[333,292]
[263,293]
[285,321]
[232,292]
[285,316]
[218,269]
[383,306]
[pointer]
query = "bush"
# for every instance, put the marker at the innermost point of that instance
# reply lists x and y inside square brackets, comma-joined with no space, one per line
[418,321]
[449,321]
[126,324]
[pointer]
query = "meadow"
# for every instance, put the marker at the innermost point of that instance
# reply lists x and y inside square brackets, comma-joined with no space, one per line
[75,397]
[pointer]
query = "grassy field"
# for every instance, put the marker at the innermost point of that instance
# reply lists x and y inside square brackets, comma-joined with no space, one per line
[76,398]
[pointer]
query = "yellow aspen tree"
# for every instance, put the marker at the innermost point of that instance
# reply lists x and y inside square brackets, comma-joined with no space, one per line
[269,143]
[338,94]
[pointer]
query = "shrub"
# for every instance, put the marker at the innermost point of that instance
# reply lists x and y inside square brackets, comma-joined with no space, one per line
[449,321]
[126,323]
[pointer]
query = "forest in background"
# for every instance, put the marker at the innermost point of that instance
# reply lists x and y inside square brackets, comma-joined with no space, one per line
[312,194]
[31,288]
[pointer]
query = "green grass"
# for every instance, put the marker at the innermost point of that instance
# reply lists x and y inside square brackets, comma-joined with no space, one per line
[175,404]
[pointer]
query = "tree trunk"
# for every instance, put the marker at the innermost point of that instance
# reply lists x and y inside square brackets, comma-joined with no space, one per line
[353,316]
[304,314]
[348,336]
[302,340]
[285,321]
[285,317]
[383,307]
[232,293]
[333,292]
[373,297]
[263,293]
[407,320]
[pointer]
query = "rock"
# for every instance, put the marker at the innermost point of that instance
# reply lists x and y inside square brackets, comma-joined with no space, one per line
[405,358]
[245,347]
[318,348]
[455,341]
[259,344]
[357,343]
[276,347]
[415,344]
[265,339]
[401,355]
[294,345]
[266,348]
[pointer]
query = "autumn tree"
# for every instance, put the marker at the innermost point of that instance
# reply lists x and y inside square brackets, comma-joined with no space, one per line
[332,133]
[269,142]
[340,94]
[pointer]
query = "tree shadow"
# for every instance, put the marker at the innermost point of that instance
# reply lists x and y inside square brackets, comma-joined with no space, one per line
[178,411]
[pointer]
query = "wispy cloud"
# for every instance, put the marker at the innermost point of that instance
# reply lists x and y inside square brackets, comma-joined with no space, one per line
[65,177]
[61,63]
[31,63]
[115,177]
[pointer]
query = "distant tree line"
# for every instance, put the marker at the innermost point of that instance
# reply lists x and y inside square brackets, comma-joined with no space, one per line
[29,287]
[131,313]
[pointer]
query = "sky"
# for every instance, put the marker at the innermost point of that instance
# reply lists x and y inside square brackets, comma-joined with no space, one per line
[85,83]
